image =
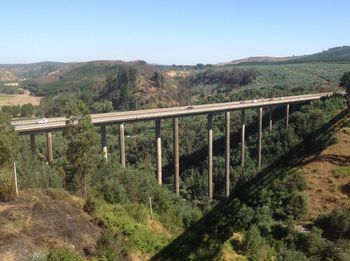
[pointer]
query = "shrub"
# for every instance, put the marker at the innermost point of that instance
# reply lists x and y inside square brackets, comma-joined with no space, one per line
[335,224]
[7,186]
[63,254]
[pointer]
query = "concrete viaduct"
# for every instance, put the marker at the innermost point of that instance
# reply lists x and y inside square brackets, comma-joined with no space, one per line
[102,120]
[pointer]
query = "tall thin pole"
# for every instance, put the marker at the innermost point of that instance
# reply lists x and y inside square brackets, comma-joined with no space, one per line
[243,138]
[270,118]
[210,157]
[260,136]
[287,116]
[159,152]
[32,143]
[49,146]
[122,144]
[15,174]
[176,155]
[227,154]
[104,142]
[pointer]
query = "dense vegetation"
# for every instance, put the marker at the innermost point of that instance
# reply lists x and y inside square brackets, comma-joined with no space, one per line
[268,204]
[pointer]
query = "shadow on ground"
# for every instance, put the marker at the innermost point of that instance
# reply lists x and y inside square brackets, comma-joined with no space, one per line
[204,239]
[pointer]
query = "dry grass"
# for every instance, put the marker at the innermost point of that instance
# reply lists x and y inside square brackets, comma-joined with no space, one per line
[326,190]
[18,99]
[42,220]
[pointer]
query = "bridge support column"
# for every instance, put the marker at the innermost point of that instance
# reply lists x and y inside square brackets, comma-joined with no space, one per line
[104,142]
[32,143]
[122,144]
[159,152]
[270,118]
[243,138]
[210,157]
[49,146]
[260,136]
[287,116]
[227,154]
[176,155]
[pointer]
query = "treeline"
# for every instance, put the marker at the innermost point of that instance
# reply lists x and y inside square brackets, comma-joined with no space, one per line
[232,78]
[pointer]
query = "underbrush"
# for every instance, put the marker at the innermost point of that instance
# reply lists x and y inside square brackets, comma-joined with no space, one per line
[7,186]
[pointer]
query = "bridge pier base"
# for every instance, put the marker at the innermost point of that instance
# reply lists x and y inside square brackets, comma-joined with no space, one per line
[49,146]
[210,157]
[159,152]
[32,143]
[243,138]
[122,145]
[176,155]
[287,116]
[260,136]
[104,142]
[270,118]
[227,154]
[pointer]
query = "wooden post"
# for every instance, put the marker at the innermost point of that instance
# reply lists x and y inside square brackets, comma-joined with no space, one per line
[287,116]
[49,146]
[104,142]
[227,154]
[260,136]
[176,155]
[159,152]
[122,145]
[15,174]
[210,157]
[270,118]
[32,143]
[243,138]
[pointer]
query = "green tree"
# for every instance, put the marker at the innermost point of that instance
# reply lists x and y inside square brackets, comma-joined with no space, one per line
[82,152]
[345,83]
[8,141]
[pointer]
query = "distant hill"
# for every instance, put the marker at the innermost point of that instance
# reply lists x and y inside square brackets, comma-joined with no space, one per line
[336,54]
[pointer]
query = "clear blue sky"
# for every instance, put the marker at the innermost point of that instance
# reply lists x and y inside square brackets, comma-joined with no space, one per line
[167,31]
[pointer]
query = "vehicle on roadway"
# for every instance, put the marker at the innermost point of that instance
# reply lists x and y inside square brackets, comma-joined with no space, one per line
[16,123]
[254,101]
[189,108]
[42,121]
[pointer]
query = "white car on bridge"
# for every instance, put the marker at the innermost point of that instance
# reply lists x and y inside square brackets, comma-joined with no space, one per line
[42,121]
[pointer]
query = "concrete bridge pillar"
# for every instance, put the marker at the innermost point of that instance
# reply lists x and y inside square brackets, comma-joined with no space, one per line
[287,116]
[270,118]
[243,138]
[176,155]
[227,154]
[32,143]
[122,144]
[49,146]
[159,152]
[260,136]
[104,142]
[210,157]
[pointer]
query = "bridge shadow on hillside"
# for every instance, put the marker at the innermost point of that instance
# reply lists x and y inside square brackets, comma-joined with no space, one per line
[205,237]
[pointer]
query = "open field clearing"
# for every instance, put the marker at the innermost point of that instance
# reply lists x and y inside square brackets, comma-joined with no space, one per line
[18,99]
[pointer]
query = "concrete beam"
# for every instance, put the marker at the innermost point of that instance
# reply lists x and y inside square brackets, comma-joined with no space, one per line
[243,138]
[210,156]
[260,136]
[270,118]
[32,143]
[227,154]
[287,116]
[49,146]
[159,152]
[104,142]
[176,155]
[122,145]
